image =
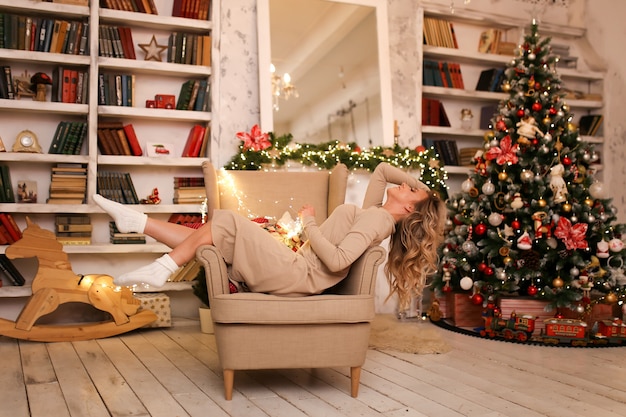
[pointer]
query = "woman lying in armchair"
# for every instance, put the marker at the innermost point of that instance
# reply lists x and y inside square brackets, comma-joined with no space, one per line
[411,214]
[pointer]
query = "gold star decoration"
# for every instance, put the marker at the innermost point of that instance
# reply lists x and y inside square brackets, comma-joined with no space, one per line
[153,50]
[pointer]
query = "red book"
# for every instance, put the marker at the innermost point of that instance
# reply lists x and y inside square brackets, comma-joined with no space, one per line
[198,138]
[5,237]
[13,232]
[135,147]
[130,45]
[65,85]
[195,133]
[177,9]
[73,86]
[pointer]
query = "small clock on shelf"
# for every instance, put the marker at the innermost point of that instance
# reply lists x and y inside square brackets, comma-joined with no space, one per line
[26,141]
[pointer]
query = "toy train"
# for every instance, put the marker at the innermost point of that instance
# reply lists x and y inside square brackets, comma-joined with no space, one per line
[557,331]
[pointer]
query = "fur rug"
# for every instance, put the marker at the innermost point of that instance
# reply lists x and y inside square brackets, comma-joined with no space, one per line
[411,336]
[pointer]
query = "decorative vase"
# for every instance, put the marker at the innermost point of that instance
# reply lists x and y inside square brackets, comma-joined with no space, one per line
[206,322]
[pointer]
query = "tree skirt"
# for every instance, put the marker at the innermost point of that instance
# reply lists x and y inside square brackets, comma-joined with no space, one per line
[410,336]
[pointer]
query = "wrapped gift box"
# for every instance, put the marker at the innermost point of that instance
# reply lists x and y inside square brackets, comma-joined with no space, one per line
[527,306]
[159,303]
[599,312]
[460,310]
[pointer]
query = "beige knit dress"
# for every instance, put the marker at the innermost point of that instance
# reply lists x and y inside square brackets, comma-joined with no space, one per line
[266,265]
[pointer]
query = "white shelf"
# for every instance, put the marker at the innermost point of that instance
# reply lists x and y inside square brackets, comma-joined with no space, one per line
[38,7]
[145,161]
[47,107]
[152,21]
[160,114]
[151,67]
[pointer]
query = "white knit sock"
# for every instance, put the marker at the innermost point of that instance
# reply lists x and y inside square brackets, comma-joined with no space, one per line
[153,275]
[126,219]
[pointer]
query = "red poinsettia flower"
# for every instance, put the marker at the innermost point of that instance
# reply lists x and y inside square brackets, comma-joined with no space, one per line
[573,236]
[255,140]
[506,153]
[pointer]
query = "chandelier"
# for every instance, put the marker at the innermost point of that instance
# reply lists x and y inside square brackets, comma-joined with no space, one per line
[281,87]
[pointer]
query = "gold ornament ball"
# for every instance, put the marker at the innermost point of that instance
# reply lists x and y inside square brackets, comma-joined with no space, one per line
[542,202]
[588,202]
[565,108]
[557,282]
[507,260]
[503,176]
[571,127]
[567,207]
[610,298]
[488,136]
[546,121]
[506,87]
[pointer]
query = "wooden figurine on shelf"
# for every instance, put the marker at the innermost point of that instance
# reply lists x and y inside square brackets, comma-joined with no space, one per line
[55,283]
[38,82]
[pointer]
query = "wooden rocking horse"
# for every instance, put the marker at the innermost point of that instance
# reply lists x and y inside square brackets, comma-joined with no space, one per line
[55,283]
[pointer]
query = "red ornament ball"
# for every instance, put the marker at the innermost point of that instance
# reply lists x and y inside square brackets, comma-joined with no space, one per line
[534,141]
[447,288]
[552,111]
[567,161]
[477,299]
[536,106]
[532,290]
[520,113]
[515,224]
[500,125]
[488,271]
[480,229]
[419,149]
[482,266]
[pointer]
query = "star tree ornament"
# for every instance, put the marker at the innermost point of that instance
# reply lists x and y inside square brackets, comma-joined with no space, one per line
[153,50]
[532,203]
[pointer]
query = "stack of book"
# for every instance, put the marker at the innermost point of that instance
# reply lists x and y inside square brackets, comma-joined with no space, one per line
[433,113]
[442,74]
[187,272]
[34,33]
[467,156]
[7,195]
[194,95]
[68,184]
[193,220]
[192,9]
[447,150]
[10,271]
[140,6]
[116,138]
[197,142]
[490,80]
[70,85]
[189,49]
[68,138]
[439,32]
[590,124]
[9,230]
[120,238]
[189,190]
[73,229]
[7,88]
[117,186]
[116,90]
[116,42]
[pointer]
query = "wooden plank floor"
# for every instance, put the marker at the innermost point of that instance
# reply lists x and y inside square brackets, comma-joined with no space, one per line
[175,372]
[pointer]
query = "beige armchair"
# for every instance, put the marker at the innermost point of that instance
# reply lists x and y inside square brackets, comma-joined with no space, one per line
[262,331]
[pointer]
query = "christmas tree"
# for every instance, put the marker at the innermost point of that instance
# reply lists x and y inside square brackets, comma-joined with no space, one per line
[531,219]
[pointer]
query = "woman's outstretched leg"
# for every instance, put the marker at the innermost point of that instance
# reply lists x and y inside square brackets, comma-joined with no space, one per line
[128,220]
[157,273]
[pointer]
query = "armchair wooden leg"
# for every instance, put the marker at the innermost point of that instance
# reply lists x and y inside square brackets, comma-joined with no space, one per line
[355,378]
[229,380]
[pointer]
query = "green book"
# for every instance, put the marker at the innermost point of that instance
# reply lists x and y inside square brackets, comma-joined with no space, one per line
[185,95]
[9,195]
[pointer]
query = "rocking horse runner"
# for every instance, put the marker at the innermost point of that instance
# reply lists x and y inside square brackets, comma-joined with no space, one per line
[55,283]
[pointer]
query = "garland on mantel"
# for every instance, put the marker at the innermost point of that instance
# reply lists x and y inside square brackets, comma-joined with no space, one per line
[260,150]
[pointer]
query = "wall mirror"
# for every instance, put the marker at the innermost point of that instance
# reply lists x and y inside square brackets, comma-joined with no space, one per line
[337,56]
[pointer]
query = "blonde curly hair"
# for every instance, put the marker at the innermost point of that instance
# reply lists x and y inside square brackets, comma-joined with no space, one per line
[413,249]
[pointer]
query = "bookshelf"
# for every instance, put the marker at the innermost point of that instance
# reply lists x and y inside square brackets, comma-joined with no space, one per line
[468,27]
[151,124]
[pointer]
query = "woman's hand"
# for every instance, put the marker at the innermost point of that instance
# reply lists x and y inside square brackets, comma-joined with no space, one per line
[306,210]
